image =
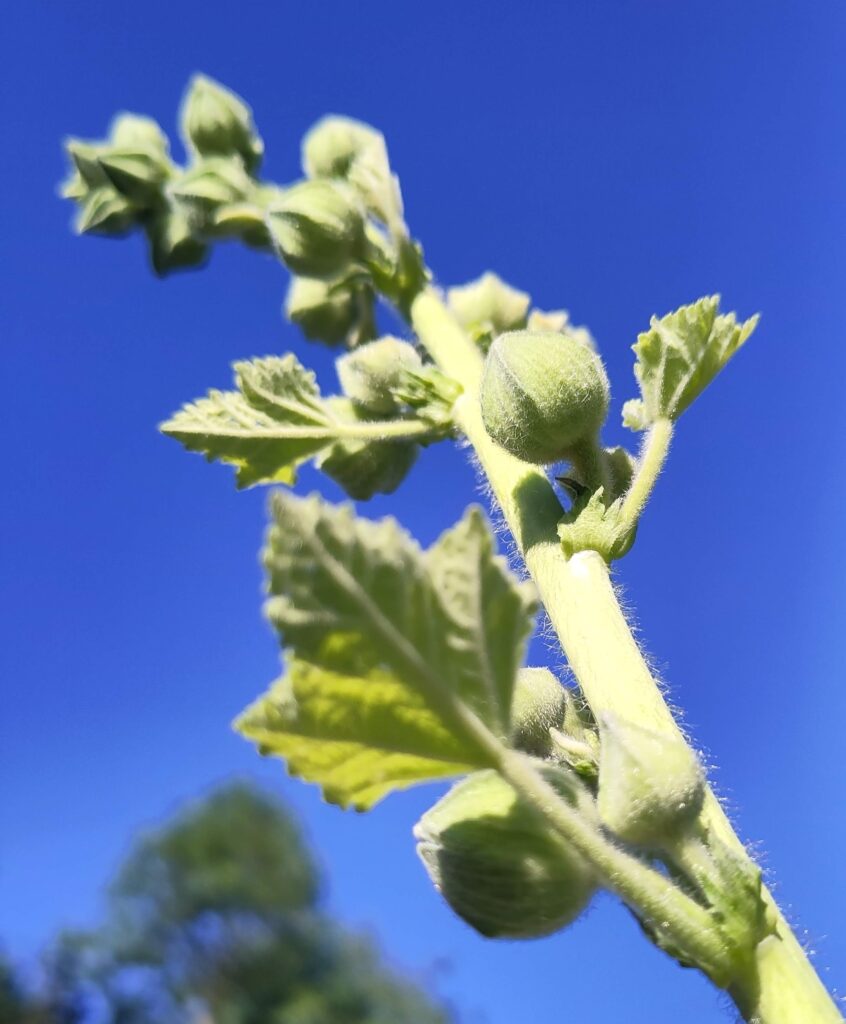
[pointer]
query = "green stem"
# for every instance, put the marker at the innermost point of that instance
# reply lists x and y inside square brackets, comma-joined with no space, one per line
[650,463]
[583,609]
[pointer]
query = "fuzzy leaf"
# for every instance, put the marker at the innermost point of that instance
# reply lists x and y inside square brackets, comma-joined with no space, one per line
[359,733]
[591,525]
[446,627]
[276,420]
[679,356]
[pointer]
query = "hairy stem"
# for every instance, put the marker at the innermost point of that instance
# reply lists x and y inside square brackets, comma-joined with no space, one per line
[583,609]
[650,463]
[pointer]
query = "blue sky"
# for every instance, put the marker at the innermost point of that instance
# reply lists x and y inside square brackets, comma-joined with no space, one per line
[615,157]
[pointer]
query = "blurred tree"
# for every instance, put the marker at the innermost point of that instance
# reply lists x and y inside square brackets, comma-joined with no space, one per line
[216,919]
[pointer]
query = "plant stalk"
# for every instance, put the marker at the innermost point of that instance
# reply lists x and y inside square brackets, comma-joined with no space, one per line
[781,986]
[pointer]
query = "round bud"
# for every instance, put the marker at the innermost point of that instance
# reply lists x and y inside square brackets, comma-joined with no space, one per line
[216,122]
[318,227]
[322,312]
[331,146]
[538,705]
[543,393]
[651,786]
[497,865]
[369,374]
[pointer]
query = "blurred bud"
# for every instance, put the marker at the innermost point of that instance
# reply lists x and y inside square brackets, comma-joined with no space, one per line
[318,227]
[331,147]
[488,306]
[173,245]
[323,311]
[244,221]
[216,122]
[134,131]
[496,863]
[370,374]
[538,705]
[651,786]
[104,211]
[137,174]
[542,394]
[212,183]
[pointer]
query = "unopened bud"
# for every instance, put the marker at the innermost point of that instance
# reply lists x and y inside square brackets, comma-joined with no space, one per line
[323,311]
[497,864]
[104,211]
[370,374]
[128,131]
[216,122]
[318,227]
[538,705]
[211,184]
[173,244]
[488,306]
[543,393]
[136,173]
[332,145]
[651,786]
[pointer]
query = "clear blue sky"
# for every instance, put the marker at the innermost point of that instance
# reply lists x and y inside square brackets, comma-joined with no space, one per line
[618,157]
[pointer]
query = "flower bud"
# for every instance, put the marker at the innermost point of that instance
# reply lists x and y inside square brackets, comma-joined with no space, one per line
[543,393]
[173,244]
[323,311]
[136,173]
[104,211]
[651,786]
[496,863]
[318,227]
[244,221]
[216,122]
[332,145]
[133,131]
[211,184]
[369,374]
[488,306]
[538,705]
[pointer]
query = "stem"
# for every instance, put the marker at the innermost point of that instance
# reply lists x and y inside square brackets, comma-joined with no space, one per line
[583,609]
[652,457]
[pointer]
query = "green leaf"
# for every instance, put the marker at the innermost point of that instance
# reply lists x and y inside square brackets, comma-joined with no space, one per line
[358,599]
[359,733]
[591,525]
[679,356]
[277,419]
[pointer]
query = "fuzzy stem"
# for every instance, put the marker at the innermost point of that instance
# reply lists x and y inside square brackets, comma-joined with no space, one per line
[583,609]
[652,457]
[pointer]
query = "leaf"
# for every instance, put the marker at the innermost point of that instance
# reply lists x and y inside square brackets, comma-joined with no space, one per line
[358,733]
[446,629]
[277,419]
[591,525]
[679,356]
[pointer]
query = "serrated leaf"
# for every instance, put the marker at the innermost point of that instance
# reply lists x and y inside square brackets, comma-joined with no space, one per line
[591,525]
[359,733]
[679,356]
[448,626]
[276,420]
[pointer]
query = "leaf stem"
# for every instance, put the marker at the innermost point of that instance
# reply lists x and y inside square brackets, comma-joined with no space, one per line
[653,455]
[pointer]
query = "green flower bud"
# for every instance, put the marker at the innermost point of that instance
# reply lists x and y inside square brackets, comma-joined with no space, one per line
[173,244]
[332,145]
[211,184]
[87,172]
[104,211]
[488,306]
[365,468]
[370,374]
[496,863]
[323,311]
[216,122]
[543,394]
[559,320]
[136,173]
[651,786]
[318,227]
[244,221]
[538,705]
[131,131]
